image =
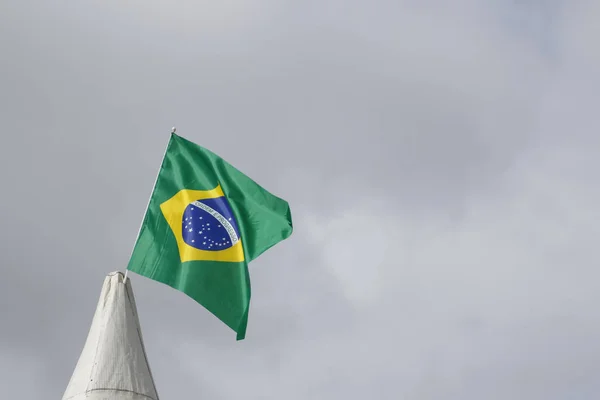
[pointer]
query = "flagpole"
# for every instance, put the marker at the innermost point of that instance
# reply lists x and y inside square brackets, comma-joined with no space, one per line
[148,205]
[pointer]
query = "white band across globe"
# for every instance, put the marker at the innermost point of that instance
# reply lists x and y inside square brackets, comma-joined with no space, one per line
[228,227]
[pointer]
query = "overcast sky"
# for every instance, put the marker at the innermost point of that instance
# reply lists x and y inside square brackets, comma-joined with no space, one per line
[440,159]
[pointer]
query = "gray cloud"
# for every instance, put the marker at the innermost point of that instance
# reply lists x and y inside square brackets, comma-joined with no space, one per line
[439,160]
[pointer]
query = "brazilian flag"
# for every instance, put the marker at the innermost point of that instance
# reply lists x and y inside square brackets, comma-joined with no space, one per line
[204,223]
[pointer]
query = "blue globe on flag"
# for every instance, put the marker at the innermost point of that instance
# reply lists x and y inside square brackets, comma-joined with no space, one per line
[209,224]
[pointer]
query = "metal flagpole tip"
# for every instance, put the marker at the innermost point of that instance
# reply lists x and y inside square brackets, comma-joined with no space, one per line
[173,130]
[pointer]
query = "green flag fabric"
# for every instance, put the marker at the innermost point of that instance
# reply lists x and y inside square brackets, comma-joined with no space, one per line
[204,223]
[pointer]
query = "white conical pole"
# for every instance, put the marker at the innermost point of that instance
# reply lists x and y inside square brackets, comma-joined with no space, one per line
[113,364]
